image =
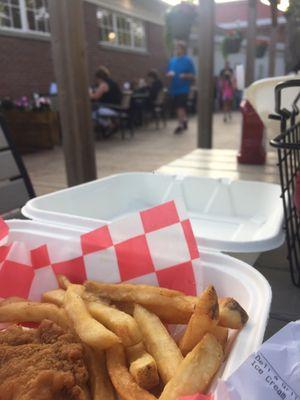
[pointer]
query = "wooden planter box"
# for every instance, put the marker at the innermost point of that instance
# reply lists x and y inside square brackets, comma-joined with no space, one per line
[33,130]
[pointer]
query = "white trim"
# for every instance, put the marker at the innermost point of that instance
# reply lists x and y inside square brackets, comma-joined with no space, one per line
[23,14]
[244,24]
[25,34]
[126,49]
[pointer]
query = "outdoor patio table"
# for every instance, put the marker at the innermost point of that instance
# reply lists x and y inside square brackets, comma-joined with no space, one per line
[219,163]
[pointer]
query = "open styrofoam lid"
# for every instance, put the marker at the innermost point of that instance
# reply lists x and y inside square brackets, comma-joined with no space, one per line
[226,215]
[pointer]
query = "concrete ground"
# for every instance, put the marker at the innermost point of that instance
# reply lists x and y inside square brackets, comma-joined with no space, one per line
[152,149]
[148,150]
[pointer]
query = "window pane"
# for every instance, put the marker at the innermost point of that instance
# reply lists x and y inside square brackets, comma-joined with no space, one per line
[30,4]
[39,3]
[123,23]
[118,29]
[31,20]
[4,14]
[16,18]
[38,15]
[10,14]
[138,34]
[112,37]
[105,18]
[41,26]
[103,36]
[124,38]
[138,42]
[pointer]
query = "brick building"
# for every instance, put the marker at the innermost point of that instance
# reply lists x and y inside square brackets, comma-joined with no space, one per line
[126,36]
[231,16]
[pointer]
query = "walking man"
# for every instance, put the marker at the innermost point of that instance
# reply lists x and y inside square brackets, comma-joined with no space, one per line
[181,71]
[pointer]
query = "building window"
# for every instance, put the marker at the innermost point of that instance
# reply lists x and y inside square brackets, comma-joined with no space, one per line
[37,15]
[10,14]
[25,15]
[121,31]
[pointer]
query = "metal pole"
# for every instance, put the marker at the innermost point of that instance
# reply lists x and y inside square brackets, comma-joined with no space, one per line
[251,42]
[206,82]
[69,56]
[273,38]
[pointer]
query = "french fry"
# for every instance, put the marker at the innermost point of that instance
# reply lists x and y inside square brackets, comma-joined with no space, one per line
[158,342]
[55,296]
[221,334]
[232,314]
[142,366]
[122,380]
[101,387]
[63,281]
[10,300]
[27,311]
[90,331]
[204,318]
[122,324]
[173,310]
[196,371]
[124,291]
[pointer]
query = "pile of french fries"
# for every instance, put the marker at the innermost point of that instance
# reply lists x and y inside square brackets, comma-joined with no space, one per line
[129,349]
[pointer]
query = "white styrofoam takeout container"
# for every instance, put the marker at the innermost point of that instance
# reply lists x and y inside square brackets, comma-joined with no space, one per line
[231,216]
[229,276]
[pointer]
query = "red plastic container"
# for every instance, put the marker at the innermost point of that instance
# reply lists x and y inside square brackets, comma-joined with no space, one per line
[253,148]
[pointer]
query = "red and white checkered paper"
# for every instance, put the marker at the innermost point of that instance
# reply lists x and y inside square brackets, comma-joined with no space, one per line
[156,246]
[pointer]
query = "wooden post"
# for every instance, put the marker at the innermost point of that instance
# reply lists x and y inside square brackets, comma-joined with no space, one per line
[251,42]
[273,38]
[206,82]
[69,56]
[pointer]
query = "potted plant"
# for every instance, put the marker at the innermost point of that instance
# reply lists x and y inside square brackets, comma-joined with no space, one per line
[32,124]
[261,47]
[231,43]
[179,21]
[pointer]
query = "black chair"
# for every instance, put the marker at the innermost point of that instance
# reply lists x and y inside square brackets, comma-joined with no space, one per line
[15,185]
[124,114]
[159,110]
[192,101]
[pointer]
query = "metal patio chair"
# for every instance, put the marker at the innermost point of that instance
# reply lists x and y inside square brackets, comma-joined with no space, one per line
[15,185]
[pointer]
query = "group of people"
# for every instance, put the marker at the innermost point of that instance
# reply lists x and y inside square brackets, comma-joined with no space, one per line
[180,76]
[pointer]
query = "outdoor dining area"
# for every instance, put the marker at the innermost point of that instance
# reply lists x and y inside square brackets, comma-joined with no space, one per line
[35,125]
[150,227]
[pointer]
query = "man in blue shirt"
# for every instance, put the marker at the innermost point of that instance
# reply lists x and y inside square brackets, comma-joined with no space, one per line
[181,71]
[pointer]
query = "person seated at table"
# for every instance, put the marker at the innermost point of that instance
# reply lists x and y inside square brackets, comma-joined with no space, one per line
[154,87]
[105,94]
